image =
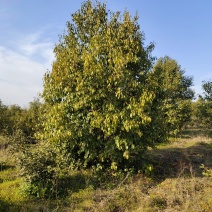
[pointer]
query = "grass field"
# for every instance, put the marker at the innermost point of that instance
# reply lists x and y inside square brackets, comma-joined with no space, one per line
[176,183]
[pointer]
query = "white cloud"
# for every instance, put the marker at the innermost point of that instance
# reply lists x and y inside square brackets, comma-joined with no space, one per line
[22,68]
[32,45]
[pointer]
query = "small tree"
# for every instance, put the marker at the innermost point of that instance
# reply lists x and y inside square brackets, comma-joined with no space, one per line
[207,91]
[10,118]
[204,105]
[171,108]
[3,117]
[31,120]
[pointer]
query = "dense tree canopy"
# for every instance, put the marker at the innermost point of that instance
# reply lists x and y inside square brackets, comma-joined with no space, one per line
[98,102]
[104,103]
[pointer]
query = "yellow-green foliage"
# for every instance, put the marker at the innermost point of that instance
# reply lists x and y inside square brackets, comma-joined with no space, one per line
[206,171]
[97,104]
[10,191]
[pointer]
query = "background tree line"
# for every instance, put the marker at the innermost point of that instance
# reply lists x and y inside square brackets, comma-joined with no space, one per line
[14,118]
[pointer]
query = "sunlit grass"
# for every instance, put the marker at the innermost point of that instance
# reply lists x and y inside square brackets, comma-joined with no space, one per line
[175,184]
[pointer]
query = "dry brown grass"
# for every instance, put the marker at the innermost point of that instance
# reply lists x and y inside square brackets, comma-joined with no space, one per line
[175,184]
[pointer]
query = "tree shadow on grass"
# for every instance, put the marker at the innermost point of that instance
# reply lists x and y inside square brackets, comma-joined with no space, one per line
[7,206]
[167,163]
[178,162]
[72,183]
[4,167]
[195,132]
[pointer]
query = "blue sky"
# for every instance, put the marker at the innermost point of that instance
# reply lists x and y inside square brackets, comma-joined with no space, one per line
[181,29]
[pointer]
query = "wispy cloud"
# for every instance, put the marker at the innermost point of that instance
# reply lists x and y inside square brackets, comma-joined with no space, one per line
[32,45]
[22,68]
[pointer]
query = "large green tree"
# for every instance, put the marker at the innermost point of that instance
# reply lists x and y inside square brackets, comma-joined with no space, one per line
[97,101]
